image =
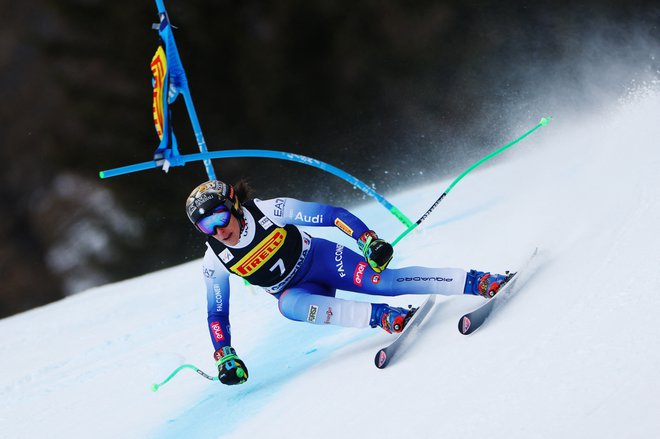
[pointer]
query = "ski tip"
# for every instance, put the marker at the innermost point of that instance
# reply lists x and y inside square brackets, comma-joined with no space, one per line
[381,359]
[464,325]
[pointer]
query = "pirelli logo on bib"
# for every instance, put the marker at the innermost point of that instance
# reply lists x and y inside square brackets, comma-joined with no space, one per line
[260,254]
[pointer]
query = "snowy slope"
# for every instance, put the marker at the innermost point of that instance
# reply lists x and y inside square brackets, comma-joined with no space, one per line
[574,354]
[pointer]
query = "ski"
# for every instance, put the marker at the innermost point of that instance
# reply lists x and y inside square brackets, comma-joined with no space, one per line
[472,321]
[384,355]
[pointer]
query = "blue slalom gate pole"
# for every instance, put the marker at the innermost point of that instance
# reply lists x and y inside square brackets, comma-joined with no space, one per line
[264,153]
[179,83]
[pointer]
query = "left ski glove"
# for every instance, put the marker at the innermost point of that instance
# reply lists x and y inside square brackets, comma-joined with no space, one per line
[231,369]
[377,252]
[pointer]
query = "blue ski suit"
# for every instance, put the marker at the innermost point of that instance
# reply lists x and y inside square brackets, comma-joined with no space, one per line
[303,272]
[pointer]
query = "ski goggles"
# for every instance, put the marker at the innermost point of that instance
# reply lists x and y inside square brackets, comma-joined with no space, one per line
[219,217]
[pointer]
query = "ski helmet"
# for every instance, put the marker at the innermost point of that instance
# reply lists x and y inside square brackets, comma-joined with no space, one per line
[208,196]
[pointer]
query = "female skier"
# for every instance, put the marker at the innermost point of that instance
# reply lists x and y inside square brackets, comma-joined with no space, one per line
[259,241]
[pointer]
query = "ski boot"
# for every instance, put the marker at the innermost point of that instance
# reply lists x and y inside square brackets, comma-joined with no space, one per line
[391,319]
[485,284]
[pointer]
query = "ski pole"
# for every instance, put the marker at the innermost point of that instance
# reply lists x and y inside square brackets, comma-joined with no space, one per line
[155,387]
[544,121]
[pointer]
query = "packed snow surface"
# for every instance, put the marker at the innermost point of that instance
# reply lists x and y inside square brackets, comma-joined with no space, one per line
[573,354]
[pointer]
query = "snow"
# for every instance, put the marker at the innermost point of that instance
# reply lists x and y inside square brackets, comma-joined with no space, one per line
[573,354]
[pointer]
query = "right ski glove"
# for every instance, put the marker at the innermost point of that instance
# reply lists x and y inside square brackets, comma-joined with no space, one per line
[231,369]
[377,252]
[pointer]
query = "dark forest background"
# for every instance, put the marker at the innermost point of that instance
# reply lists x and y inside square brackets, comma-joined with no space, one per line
[395,93]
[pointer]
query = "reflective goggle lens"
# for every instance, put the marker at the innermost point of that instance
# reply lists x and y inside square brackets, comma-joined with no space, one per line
[219,218]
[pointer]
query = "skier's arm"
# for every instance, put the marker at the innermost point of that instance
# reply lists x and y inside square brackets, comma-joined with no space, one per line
[377,252]
[231,369]
[305,213]
[216,279]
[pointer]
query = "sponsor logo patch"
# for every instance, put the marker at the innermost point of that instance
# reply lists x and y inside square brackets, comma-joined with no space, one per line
[226,256]
[339,259]
[265,223]
[312,313]
[217,331]
[159,71]
[328,315]
[279,207]
[260,254]
[359,273]
[343,227]
[375,278]
[218,297]
[316,219]
[424,279]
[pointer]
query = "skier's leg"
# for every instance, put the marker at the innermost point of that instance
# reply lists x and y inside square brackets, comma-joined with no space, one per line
[345,269]
[300,305]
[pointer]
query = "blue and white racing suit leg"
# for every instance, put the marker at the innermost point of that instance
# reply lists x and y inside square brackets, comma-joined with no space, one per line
[330,266]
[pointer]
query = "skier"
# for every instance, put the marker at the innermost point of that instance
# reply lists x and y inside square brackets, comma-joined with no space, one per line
[259,241]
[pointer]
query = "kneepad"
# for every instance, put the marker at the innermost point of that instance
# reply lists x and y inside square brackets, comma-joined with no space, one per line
[299,305]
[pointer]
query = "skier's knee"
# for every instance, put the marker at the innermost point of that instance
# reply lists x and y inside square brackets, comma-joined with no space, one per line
[287,304]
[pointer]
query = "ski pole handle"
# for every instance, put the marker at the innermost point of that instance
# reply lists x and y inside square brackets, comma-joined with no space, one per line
[155,387]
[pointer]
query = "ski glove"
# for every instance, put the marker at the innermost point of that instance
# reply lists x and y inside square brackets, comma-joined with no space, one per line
[377,252]
[231,369]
